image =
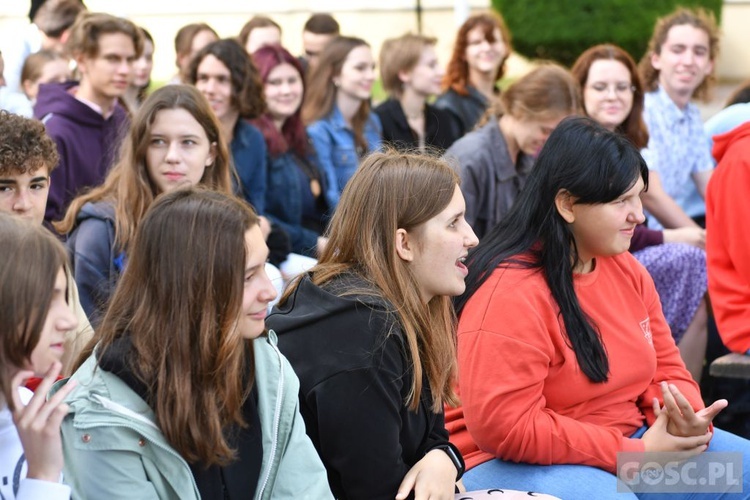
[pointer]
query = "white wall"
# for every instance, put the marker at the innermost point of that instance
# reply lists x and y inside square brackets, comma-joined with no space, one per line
[372,20]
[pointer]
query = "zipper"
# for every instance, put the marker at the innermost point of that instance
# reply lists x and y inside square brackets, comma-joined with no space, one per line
[276,423]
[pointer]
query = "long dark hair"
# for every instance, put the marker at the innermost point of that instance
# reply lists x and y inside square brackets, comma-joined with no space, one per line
[595,166]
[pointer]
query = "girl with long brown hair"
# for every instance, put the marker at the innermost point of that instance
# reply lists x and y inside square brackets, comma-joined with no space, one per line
[337,111]
[174,140]
[183,393]
[370,330]
[478,62]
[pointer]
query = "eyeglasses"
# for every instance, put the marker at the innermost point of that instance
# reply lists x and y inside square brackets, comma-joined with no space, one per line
[620,88]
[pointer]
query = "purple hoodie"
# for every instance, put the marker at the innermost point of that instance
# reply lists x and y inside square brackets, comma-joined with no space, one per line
[86,142]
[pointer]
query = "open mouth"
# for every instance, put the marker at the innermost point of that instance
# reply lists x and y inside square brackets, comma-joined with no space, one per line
[461,265]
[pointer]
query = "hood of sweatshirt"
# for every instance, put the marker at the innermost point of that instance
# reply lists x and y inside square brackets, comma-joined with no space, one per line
[723,142]
[56,99]
[336,297]
[102,210]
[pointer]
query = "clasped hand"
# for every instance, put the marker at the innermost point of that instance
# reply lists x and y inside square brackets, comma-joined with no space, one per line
[683,420]
[678,428]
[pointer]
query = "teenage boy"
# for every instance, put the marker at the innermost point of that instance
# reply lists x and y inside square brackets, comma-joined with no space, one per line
[27,157]
[317,32]
[84,118]
[678,66]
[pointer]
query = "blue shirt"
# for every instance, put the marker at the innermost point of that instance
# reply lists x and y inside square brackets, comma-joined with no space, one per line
[289,201]
[248,150]
[677,148]
[725,120]
[333,141]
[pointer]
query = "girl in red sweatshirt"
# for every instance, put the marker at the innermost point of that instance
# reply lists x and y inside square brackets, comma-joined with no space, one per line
[564,355]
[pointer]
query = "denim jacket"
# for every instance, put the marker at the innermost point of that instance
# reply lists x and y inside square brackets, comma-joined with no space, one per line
[284,201]
[114,449]
[249,159]
[334,143]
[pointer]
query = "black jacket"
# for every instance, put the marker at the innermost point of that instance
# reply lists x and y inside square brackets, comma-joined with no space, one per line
[350,356]
[466,110]
[440,128]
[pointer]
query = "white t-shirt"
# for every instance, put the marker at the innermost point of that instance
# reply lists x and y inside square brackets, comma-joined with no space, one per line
[13,482]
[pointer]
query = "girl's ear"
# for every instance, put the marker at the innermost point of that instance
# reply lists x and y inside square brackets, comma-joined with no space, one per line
[404,76]
[564,202]
[404,245]
[211,154]
[26,86]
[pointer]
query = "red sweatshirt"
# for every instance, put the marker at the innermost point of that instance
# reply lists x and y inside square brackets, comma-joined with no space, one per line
[728,238]
[524,396]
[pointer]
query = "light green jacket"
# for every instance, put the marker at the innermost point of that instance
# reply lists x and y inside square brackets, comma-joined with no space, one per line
[113,448]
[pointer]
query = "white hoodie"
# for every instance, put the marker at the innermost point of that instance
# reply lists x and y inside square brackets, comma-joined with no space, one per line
[13,482]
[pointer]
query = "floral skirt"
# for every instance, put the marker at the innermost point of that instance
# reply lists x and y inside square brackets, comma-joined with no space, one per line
[679,273]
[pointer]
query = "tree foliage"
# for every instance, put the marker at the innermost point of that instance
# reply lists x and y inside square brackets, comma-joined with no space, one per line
[562,29]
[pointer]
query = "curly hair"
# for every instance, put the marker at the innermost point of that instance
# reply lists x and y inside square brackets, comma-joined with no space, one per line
[247,87]
[698,18]
[457,72]
[24,145]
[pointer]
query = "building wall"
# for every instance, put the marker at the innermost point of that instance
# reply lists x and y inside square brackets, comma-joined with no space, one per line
[372,20]
[734,59]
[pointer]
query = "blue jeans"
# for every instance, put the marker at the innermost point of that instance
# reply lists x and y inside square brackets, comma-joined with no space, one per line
[571,482]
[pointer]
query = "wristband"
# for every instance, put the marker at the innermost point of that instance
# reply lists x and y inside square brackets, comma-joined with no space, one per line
[455,455]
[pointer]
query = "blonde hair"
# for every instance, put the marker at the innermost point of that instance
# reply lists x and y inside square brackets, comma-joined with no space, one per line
[89,26]
[547,91]
[401,54]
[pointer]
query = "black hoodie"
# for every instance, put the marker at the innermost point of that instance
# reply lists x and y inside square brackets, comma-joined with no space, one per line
[350,356]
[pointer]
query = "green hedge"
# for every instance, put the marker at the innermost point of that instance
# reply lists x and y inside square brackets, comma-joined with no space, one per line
[562,29]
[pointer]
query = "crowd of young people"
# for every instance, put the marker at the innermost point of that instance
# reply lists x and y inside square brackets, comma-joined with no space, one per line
[440,322]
